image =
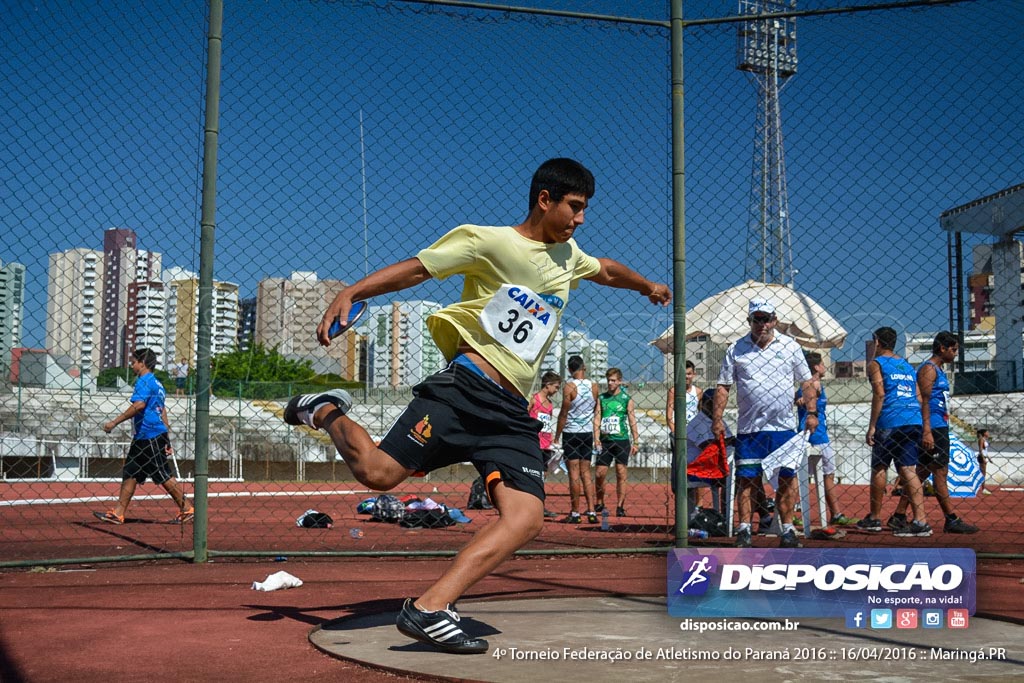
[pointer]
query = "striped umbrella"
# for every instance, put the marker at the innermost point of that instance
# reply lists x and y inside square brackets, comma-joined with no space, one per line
[964,477]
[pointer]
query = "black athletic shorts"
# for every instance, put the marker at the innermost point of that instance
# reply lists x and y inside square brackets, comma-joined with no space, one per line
[938,457]
[458,416]
[148,458]
[613,450]
[577,445]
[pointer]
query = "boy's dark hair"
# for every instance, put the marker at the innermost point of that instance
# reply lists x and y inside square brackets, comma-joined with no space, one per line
[690,365]
[982,432]
[549,377]
[575,363]
[813,358]
[613,372]
[943,340]
[146,356]
[886,338]
[561,177]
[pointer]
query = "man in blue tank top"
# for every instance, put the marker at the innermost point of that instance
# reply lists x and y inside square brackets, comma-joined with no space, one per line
[933,454]
[894,432]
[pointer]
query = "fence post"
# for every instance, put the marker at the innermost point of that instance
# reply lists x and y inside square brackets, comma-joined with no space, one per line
[207,222]
[679,271]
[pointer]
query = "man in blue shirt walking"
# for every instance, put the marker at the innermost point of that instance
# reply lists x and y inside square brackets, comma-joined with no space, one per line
[151,444]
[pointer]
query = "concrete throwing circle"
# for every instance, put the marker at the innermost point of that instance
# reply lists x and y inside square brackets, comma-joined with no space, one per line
[634,639]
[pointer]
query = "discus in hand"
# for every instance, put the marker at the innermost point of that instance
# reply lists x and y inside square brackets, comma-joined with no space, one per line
[354,314]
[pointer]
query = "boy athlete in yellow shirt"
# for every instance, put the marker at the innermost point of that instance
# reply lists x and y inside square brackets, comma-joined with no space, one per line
[516,284]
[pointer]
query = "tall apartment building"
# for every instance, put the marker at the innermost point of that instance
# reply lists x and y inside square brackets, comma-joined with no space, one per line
[146,323]
[246,322]
[123,264]
[74,306]
[12,300]
[287,313]
[182,319]
[400,348]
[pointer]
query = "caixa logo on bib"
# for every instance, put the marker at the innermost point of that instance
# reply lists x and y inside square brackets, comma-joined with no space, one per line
[822,582]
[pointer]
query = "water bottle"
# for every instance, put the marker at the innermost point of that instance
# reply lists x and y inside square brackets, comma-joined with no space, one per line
[604,520]
[697,533]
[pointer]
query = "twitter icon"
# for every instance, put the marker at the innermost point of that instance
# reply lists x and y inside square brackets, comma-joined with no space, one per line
[881,618]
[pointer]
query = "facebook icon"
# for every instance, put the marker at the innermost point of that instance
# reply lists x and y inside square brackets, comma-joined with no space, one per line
[855,618]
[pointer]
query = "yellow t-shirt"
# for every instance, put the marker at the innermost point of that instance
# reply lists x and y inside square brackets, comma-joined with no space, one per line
[514,293]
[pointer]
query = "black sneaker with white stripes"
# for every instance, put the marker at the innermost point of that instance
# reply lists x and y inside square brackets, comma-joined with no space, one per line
[440,629]
[300,409]
[915,528]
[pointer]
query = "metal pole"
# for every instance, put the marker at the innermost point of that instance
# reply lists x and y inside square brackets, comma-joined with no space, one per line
[958,254]
[207,223]
[679,273]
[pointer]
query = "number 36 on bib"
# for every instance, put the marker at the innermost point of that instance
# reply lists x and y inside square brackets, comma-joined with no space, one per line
[519,320]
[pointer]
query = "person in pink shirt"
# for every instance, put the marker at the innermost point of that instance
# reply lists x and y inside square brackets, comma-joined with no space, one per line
[542,409]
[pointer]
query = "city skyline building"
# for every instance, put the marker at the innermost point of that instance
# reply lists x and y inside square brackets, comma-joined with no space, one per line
[400,348]
[146,324]
[74,306]
[123,264]
[181,337]
[12,301]
[288,311]
[246,322]
[568,343]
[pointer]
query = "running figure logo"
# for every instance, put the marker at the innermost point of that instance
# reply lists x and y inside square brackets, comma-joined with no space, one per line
[697,580]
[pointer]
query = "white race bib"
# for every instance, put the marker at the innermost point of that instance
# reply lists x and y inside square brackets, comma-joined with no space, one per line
[546,425]
[521,321]
[610,425]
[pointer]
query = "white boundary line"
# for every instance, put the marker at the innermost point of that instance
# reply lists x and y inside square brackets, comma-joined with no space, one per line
[226,494]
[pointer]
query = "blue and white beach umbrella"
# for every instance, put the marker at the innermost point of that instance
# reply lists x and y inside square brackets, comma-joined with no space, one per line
[964,477]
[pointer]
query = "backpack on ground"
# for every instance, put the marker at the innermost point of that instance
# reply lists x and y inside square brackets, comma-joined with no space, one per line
[709,520]
[427,519]
[388,509]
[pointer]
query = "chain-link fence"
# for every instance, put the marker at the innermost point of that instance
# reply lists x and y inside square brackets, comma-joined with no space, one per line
[821,148]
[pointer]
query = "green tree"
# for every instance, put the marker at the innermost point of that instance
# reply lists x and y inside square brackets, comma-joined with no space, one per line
[258,364]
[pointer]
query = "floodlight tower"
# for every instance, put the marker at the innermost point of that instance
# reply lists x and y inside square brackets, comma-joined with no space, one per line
[767,51]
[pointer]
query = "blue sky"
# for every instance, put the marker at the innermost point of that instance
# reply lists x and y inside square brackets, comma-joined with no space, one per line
[892,118]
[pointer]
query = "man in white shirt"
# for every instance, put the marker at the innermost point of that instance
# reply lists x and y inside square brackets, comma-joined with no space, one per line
[764,367]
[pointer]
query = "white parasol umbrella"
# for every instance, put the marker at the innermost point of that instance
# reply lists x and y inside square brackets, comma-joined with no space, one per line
[723,317]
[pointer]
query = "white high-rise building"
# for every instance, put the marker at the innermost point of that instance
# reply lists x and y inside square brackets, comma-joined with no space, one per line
[12,298]
[594,353]
[401,350]
[74,306]
[146,325]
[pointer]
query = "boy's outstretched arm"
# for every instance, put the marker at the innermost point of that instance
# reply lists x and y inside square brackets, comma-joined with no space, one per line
[615,274]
